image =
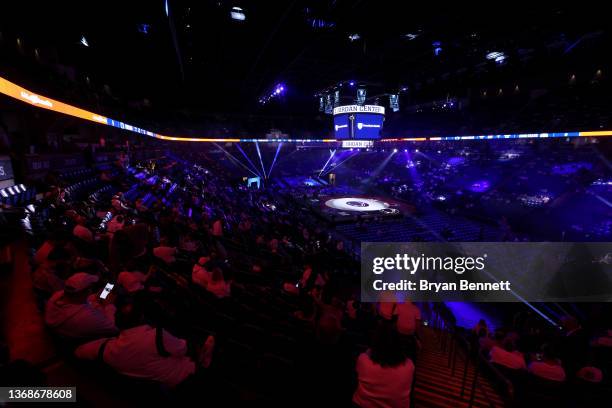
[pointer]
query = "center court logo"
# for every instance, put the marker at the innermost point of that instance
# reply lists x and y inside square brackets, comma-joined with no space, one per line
[357,204]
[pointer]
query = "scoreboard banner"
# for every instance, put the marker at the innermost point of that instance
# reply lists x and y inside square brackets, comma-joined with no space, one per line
[358,144]
[380,110]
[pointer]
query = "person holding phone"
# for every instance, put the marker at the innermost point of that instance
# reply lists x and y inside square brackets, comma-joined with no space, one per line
[75,313]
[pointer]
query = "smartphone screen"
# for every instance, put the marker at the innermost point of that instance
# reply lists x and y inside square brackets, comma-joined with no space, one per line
[107,289]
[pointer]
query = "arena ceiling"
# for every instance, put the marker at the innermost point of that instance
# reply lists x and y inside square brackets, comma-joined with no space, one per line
[190,54]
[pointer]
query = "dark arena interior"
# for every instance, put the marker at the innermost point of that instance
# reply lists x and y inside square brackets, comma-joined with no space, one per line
[190,192]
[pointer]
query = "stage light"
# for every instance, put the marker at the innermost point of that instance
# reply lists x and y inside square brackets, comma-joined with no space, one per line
[354,37]
[361,96]
[410,36]
[394,102]
[394,150]
[497,56]
[166,9]
[405,150]
[352,83]
[237,14]
[84,41]
[144,28]
[336,98]
[416,150]
[329,106]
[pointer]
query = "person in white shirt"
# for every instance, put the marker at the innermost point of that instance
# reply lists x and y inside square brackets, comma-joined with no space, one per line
[82,232]
[590,374]
[384,373]
[164,252]
[408,318]
[144,352]
[132,281]
[217,285]
[549,368]
[75,313]
[387,305]
[508,356]
[115,225]
[199,274]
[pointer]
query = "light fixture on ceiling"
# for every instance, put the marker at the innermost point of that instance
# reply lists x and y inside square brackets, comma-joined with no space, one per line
[237,14]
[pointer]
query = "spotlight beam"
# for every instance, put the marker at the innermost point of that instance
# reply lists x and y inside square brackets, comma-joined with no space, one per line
[260,159]
[235,160]
[247,157]
[332,153]
[341,163]
[380,168]
[274,160]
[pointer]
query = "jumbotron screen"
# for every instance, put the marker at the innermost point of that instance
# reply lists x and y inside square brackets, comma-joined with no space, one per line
[358,122]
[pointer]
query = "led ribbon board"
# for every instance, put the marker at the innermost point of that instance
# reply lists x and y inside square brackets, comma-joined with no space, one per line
[15,91]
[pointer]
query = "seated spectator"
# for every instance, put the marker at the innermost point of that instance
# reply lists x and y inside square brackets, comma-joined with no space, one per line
[80,230]
[486,343]
[590,374]
[74,313]
[165,252]
[141,351]
[217,285]
[408,318]
[47,278]
[508,356]
[351,309]
[199,274]
[132,280]
[384,373]
[46,248]
[329,308]
[306,312]
[387,305]
[549,367]
[481,325]
[188,243]
[115,225]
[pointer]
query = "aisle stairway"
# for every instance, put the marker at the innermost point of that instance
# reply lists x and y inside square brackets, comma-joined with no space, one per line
[437,387]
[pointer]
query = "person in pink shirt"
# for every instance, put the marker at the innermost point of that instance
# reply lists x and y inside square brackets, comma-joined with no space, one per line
[549,367]
[508,356]
[384,372]
[217,285]
[144,352]
[199,274]
[75,312]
